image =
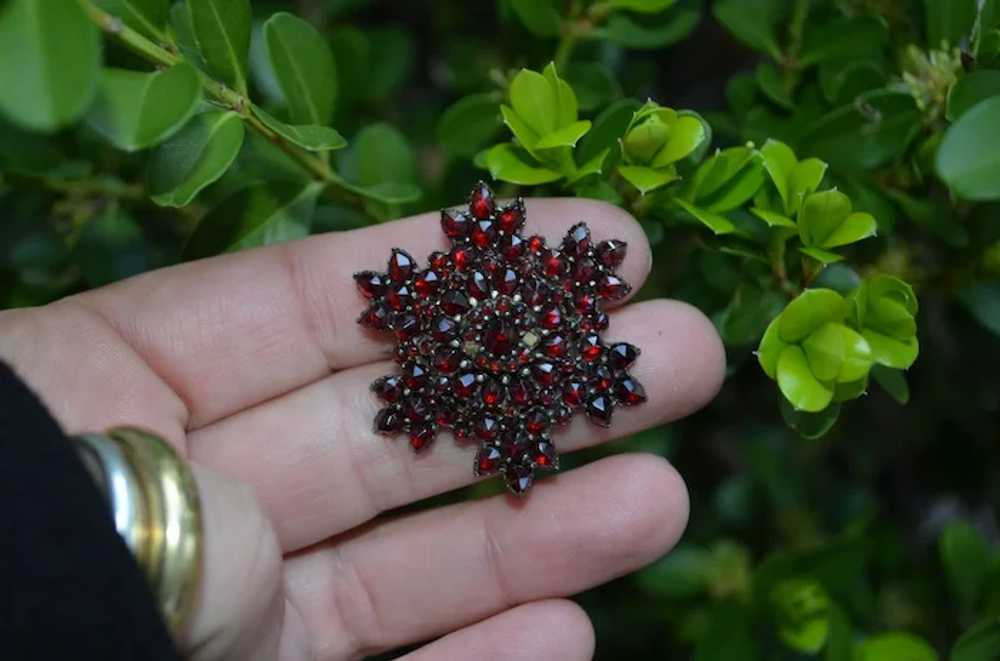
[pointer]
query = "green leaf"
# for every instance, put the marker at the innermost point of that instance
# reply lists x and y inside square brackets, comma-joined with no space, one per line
[595,85]
[970,90]
[641,6]
[259,215]
[506,164]
[980,643]
[718,223]
[567,136]
[222,32]
[137,110]
[848,38]
[680,574]
[593,166]
[540,16]
[893,382]
[810,425]
[197,156]
[719,170]
[888,351]
[780,162]
[753,23]
[824,257]
[895,646]
[646,179]
[771,218]
[309,137]
[857,357]
[379,154]
[608,127]
[652,32]
[730,635]
[839,643]
[534,101]
[802,613]
[183,27]
[971,171]
[825,351]
[770,348]
[566,105]
[949,21]
[982,301]
[810,310]
[304,68]
[469,124]
[524,134]
[799,385]
[826,221]
[967,561]
[50,57]
[805,178]
[687,134]
[111,247]
[146,16]
[770,82]
[748,314]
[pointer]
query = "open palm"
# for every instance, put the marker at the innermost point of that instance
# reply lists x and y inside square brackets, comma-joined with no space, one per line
[253,366]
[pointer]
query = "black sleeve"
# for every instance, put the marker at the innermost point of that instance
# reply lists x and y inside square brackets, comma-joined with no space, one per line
[69,588]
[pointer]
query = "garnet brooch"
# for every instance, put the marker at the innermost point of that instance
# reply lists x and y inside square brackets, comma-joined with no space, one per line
[499,339]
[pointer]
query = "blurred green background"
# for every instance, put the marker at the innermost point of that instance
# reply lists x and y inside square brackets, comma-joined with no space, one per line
[877,540]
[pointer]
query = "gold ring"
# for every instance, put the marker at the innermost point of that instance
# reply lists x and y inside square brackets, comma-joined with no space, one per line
[156,510]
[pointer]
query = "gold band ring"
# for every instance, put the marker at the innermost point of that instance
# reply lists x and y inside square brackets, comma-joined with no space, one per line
[156,510]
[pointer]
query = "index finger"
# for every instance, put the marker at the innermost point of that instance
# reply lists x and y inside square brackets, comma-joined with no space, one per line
[236,330]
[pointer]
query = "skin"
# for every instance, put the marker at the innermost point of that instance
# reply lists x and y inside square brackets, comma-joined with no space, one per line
[252,365]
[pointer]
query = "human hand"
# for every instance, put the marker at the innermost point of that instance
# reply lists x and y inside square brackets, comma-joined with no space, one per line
[253,367]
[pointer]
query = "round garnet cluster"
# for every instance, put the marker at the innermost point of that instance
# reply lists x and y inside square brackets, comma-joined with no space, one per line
[499,339]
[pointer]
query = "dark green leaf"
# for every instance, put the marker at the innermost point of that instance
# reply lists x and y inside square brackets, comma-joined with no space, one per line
[893,382]
[641,6]
[810,425]
[753,23]
[982,301]
[849,38]
[222,32]
[970,90]
[379,154]
[183,27]
[540,16]
[258,215]
[980,643]
[146,16]
[646,179]
[652,32]
[111,247]
[681,573]
[949,21]
[971,171]
[303,66]
[773,86]
[749,313]
[391,58]
[967,560]
[729,636]
[196,157]
[469,124]
[607,128]
[839,647]
[309,137]
[595,85]
[137,110]
[49,63]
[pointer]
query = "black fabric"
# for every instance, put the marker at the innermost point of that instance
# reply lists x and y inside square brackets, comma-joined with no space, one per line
[69,588]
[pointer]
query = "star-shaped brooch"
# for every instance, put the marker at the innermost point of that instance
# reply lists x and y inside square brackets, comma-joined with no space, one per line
[499,339]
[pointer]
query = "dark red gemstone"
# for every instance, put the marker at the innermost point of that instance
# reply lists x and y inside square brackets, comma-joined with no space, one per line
[511,218]
[399,297]
[388,420]
[562,415]
[377,317]
[612,287]
[427,284]
[414,375]
[612,253]
[454,303]
[448,360]
[519,478]
[415,410]
[488,460]
[421,436]
[388,388]
[536,244]
[550,317]
[512,246]
[574,392]
[629,392]
[483,233]
[584,270]
[577,241]
[535,292]
[461,258]
[492,393]
[479,285]
[444,328]
[506,281]
[401,265]
[519,392]
[591,348]
[498,337]
[487,428]
[544,372]
[536,421]
[406,325]
[455,223]
[370,283]
[600,408]
[622,354]
[481,203]
[584,303]
[602,377]
[438,260]
[553,264]
[544,455]
[555,346]
[465,385]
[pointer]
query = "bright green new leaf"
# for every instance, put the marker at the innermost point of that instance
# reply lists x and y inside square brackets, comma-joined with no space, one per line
[804,179]
[799,385]
[967,559]
[567,136]
[524,134]
[826,221]
[962,162]
[540,16]
[594,166]
[845,392]
[646,179]
[506,164]
[197,156]
[771,218]
[304,68]
[259,215]
[469,124]
[780,162]
[893,382]
[824,257]
[825,351]
[310,136]
[146,16]
[810,310]
[641,6]
[566,105]
[980,643]
[889,351]
[534,101]
[895,646]
[687,134]
[725,170]
[222,31]
[972,89]
[802,613]
[718,223]
[857,356]
[136,110]
[49,63]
